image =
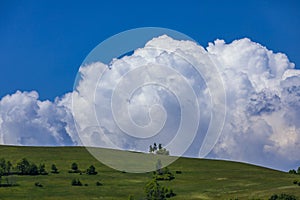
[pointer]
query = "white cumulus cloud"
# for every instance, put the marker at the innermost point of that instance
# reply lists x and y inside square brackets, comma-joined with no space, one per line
[262,100]
[25,120]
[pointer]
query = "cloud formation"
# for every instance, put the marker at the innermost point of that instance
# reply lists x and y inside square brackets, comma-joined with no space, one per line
[25,120]
[262,99]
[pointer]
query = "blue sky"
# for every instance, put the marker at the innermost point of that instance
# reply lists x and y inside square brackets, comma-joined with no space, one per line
[43,43]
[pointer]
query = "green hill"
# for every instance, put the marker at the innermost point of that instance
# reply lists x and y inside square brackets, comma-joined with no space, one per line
[200,178]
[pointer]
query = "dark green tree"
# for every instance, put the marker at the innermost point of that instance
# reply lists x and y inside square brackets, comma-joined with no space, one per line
[91,170]
[154,147]
[54,169]
[151,149]
[154,191]
[298,170]
[74,166]
[159,146]
[292,171]
[23,166]
[42,169]
[2,166]
[76,182]
[8,167]
[33,169]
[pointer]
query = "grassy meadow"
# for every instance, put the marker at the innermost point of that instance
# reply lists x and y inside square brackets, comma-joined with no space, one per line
[200,178]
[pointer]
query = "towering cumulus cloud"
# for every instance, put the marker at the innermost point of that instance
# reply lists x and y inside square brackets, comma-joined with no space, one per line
[262,124]
[25,120]
[263,94]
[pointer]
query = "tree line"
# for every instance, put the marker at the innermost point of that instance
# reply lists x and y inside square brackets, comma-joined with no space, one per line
[293,171]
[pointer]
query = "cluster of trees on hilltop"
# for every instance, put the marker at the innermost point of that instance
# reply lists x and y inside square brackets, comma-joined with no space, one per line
[158,149]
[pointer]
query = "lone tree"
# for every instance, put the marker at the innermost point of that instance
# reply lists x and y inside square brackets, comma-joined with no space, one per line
[54,169]
[76,182]
[42,169]
[298,170]
[154,191]
[91,170]
[33,169]
[8,167]
[74,166]
[154,147]
[151,149]
[159,146]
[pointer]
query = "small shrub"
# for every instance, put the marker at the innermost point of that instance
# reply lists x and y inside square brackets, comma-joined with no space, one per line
[91,170]
[38,184]
[76,182]
[54,169]
[74,166]
[282,197]
[98,183]
[178,172]
[299,183]
[295,181]
[86,184]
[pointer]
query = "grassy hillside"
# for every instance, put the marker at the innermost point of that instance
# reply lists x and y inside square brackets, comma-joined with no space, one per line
[200,178]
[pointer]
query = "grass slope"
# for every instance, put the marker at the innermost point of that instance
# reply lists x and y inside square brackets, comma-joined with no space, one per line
[200,178]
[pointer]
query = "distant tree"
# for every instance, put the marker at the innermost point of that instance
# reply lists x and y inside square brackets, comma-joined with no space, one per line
[292,171]
[76,182]
[23,166]
[151,149]
[154,191]
[2,166]
[74,166]
[38,184]
[91,170]
[33,169]
[54,169]
[298,170]
[8,167]
[160,150]
[98,183]
[154,147]
[159,146]
[163,174]
[42,169]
